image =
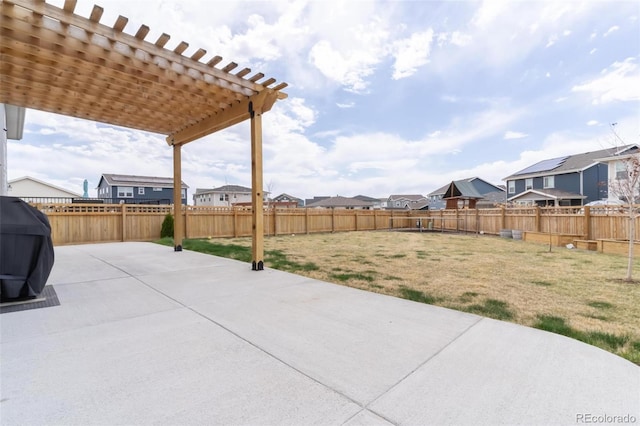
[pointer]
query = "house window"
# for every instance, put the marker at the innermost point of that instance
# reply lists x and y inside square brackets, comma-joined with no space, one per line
[528,184]
[140,191]
[224,197]
[125,191]
[184,193]
[397,203]
[621,170]
[156,189]
[548,182]
[512,186]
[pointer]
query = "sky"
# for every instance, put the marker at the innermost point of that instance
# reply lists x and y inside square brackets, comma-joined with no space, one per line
[384,97]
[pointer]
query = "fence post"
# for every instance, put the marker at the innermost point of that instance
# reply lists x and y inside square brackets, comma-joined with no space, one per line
[235,222]
[355,211]
[457,220]
[587,222]
[537,218]
[123,210]
[375,220]
[275,221]
[333,212]
[306,220]
[186,221]
[503,218]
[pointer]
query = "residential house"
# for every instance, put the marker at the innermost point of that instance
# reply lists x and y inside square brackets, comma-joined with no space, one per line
[286,198]
[571,180]
[129,189]
[406,202]
[376,203]
[339,202]
[34,190]
[618,168]
[492,195]
[315,199]
[224,196]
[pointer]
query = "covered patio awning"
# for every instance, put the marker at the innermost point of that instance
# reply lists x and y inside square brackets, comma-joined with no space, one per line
[553,197]
[56,61]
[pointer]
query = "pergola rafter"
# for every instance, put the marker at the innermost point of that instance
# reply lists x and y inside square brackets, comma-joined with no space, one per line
[56,61]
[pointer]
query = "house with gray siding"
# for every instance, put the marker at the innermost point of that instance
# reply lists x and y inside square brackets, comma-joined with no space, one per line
[571,180]
[620,164]
[131,189]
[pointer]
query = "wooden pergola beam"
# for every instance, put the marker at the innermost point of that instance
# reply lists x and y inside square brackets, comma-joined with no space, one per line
[235,114]
[56,61]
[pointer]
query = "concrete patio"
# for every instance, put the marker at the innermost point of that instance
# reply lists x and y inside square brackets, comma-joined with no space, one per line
[145,335]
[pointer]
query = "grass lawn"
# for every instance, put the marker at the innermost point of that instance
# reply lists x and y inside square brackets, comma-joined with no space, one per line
[576,293]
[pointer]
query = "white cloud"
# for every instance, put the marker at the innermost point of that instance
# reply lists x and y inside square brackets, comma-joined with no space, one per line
[619,82]
[592,123]
[611,30]
[411,53]
[460,39]
[592,51]
[514,135]
[345,105]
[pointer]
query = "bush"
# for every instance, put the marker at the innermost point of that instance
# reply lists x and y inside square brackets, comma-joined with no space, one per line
[167,227]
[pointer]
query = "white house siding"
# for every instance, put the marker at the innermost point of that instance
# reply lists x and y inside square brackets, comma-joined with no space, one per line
[26,187]
[229,198]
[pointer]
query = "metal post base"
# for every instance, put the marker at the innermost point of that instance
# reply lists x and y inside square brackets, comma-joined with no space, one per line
[177,248]
[257,266]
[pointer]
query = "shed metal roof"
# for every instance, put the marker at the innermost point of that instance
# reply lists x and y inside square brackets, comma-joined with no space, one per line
[462,189]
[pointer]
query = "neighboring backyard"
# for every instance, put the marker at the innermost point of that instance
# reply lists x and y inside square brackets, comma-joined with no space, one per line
[580,294]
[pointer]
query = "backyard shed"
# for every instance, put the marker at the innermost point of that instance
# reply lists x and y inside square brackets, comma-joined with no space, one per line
[461,193]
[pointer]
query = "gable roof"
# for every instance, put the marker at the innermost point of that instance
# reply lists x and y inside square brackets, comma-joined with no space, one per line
[408,197]
[339,201]
[43,183]
[284,195]
[133,180]
[231,188]
[443,189]
[566,164]
[462,189]
[366,198]
[224,188]
[553,194]
[623,153]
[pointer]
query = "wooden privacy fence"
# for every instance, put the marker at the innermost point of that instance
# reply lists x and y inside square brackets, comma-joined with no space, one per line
[90,223]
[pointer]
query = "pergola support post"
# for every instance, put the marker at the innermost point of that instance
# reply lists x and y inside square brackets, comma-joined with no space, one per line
[257,246]
[177,198]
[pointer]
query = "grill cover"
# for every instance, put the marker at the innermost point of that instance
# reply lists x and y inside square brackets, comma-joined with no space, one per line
[26,250]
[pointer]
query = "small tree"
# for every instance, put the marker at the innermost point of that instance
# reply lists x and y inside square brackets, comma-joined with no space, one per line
[626,186]
[167,227]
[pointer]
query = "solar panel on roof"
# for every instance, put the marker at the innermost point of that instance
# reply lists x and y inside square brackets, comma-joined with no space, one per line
[142,179]
[543,166]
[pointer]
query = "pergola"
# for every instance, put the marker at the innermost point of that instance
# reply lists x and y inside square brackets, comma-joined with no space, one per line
[57,61]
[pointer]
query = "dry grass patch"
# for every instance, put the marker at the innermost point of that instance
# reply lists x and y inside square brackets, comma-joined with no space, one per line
[501,278]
